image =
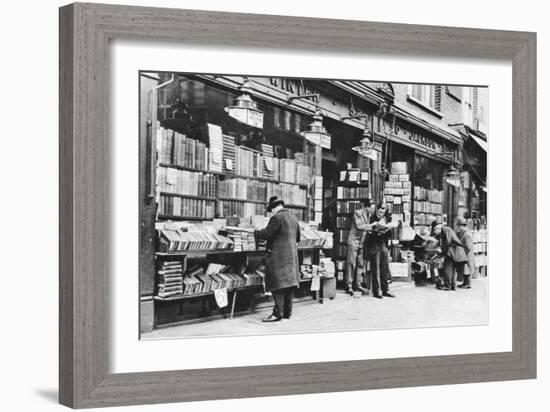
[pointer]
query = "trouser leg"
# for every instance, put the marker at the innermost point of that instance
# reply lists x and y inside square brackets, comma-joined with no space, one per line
[375,272]
[448,270]
[384,269]
[458,272]
[278,302]
[289,297]
[351,261]
[360,268]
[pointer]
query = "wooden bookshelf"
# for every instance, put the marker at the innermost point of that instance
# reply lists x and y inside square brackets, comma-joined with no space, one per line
[222,251]
[231,175]
[179,218]
[188,196]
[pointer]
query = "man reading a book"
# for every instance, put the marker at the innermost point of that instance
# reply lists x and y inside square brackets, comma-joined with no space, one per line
[376,248]
[355,261]
[282,234]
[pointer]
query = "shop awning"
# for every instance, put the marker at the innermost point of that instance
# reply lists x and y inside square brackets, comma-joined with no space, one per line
[482,143]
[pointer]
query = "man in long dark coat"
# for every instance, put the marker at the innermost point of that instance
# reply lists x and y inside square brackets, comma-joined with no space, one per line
[282,268]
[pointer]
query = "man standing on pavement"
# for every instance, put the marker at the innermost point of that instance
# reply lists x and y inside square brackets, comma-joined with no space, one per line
[355,261]
[453,252]
[376,247]
[466,238]
[282,234]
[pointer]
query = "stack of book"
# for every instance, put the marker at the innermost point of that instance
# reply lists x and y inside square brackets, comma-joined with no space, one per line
[352,192]
[229,156]
[169,279]
[397,192]
[215,141]
[310,237]
[242,238]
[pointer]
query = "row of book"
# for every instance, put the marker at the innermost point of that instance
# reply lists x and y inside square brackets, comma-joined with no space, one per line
[189,152]
[221,154]
[198,280]
[239,188]
[432,195]
[169,279]
[426,219]
[183,182]
[186,207]
[428,207]
[239,208]
[348,207]
[355,176]
[181,240]
[291,194]
[352,192]
[177,149]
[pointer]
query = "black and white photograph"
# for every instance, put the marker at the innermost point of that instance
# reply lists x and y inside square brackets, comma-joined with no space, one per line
[275,205]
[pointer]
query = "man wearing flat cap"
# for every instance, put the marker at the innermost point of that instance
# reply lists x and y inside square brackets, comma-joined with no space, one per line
[282,234]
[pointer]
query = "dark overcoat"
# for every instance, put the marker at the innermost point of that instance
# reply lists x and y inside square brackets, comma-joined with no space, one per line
[282,234]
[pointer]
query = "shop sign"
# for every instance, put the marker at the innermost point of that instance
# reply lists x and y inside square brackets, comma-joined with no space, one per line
[293,86]
[433,144]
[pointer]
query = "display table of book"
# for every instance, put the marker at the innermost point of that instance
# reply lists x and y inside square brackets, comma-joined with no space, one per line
[202,272]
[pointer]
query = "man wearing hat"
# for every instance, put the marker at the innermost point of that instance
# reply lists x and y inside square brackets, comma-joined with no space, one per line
[282,234]
[453,252]
[466,238]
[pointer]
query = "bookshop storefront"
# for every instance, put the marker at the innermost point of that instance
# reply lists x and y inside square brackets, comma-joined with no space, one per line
[214,149]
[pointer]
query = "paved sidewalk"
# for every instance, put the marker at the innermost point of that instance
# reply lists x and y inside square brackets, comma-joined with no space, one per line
[413,307]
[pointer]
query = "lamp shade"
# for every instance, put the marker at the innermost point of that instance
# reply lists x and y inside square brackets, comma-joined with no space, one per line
[245,110]
[316,132]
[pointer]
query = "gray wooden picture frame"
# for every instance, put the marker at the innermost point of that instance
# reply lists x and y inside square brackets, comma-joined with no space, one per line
[85,32]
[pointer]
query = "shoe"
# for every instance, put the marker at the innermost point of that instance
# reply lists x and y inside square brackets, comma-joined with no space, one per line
[453,288]
[361,289]
[467,287]
[388,294]
[349,291]
[445,288]
[462,285]
[271,318]
[377,296]
[284,319]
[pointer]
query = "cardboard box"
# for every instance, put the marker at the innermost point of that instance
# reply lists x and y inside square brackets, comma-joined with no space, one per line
[400,271]
[404,178]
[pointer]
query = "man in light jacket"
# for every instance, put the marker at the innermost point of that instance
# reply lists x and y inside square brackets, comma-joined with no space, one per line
[466,238]
[282,234]
[355,261]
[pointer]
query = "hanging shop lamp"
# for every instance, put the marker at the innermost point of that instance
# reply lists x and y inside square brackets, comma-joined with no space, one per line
[316,132]
[366,148]
[244,109]
[453,176]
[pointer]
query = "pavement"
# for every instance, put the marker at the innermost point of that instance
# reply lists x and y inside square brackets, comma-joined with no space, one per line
[413,307]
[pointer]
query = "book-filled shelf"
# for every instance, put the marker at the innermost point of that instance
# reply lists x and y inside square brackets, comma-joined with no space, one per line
[202,180]
[212,194]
